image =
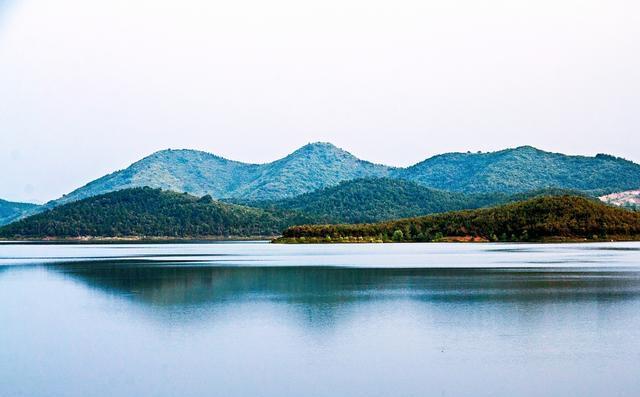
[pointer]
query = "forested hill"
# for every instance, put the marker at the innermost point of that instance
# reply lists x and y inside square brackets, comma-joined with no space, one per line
[151,213]
[538,219]
[523,169]
[10,211]
[380,199]
[370,200]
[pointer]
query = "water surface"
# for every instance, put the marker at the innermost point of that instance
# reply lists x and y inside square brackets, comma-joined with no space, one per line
[253,319]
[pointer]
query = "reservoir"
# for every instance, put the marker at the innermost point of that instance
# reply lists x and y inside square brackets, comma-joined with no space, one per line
[258,319]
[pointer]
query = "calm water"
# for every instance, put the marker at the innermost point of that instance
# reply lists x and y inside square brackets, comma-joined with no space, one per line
[253,319]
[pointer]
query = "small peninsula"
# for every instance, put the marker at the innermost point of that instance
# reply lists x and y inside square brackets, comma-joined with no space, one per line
[541,219]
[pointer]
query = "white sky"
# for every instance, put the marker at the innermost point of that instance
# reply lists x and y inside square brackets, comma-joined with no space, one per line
[87,87]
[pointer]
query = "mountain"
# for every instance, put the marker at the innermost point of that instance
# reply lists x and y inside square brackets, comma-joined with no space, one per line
[320,165]
[380,199]
[151,213]
[523,169]
[539,219]
[311,167]
[191,171]
[10,211]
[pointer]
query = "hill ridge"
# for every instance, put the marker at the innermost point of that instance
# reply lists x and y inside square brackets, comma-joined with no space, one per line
[318,165]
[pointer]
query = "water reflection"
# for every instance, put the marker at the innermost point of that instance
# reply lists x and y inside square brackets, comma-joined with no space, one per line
[323,290]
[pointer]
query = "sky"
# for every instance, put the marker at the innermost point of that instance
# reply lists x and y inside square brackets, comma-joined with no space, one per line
[88,87]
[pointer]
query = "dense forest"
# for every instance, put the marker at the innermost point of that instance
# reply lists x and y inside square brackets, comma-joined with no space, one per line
[369,200]
[147,212]
[381,199]
[152,213]
[537,219]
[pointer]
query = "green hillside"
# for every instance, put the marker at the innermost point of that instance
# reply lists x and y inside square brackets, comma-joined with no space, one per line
[380,199]
[542,218]
[523,169]
[369,200]
[152,213]
[10,211]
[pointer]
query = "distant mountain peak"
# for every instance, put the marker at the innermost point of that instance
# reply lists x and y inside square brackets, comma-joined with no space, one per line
[320,147]
[176,153]
[321,144]
[527,148]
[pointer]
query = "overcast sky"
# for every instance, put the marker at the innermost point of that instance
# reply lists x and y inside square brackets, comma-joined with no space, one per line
[87,87]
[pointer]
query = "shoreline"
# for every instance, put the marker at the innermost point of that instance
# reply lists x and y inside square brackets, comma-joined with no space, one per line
[137,239]
[452,240]
[298,240]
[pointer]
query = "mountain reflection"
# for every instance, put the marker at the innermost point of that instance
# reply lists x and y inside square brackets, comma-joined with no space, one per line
[177,284]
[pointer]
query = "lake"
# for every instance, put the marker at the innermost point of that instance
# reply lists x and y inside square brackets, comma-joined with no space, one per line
[256,319]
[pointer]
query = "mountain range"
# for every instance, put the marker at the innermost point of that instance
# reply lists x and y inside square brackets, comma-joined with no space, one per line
[319,165]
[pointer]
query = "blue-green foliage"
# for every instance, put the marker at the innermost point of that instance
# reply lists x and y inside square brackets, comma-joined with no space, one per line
[523,169]
[311,167]
[320,165]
